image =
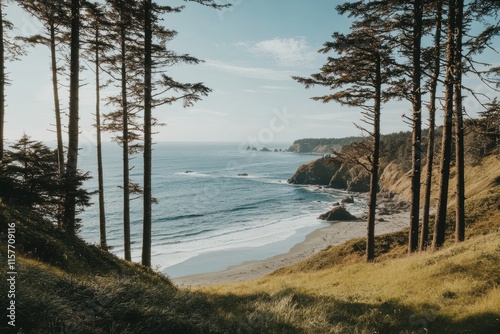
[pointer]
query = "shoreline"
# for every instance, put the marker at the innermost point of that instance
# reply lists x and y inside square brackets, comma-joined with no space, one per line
[321,238]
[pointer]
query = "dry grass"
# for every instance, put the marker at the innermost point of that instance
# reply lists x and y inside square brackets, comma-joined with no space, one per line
[451,291]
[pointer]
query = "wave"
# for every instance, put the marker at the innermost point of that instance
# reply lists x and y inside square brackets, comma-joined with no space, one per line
[193,174]
[165,219]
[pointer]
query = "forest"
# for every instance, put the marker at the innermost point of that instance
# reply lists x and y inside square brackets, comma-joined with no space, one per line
[416,51]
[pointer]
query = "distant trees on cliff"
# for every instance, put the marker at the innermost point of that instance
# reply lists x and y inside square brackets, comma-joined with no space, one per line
[363,67]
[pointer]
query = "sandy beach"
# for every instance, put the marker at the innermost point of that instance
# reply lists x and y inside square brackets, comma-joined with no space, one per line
[391,217]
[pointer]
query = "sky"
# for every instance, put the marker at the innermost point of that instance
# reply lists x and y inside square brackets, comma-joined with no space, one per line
[250,52]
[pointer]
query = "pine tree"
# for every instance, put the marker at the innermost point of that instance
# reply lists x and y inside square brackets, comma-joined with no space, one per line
[459,126]
[458,27]
[71,173]
[96,44]
[161,89]
[29,179]
[53,16]
[9,50]
[123,63]
[357,76]
[418,8]
[435,61]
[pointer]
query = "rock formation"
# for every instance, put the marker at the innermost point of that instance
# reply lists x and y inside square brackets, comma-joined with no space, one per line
[337,213]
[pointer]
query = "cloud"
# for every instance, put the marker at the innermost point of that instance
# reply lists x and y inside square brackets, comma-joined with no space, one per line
[287,52]
[249,72]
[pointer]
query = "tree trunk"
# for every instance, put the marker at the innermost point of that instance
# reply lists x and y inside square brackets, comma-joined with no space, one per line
[417,128]
[100,174]
[372,205]
[2,85]
[424,236]
[125,142]
[459,129]
[57,108]
[146,246]
[72,162]
[444,169]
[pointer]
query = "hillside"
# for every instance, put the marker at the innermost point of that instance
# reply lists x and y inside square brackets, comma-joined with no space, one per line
[64,285]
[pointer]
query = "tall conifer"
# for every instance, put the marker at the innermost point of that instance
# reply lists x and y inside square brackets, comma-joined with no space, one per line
[357,77]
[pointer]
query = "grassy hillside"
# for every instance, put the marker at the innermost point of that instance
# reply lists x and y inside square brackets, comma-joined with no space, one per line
[66,286]
[452,291]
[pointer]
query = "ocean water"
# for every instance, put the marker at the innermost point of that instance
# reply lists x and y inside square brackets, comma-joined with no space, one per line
[208,217]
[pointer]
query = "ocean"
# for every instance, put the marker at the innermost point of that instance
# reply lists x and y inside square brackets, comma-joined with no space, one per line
[219,205]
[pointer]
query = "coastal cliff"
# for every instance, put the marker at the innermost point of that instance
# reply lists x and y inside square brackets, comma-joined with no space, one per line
[328,171]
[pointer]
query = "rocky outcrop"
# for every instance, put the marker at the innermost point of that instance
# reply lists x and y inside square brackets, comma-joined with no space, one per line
[330,172]
[351,178]
[318,172]
[337,213]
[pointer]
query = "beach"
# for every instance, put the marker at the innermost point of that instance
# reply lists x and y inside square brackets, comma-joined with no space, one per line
[390,218]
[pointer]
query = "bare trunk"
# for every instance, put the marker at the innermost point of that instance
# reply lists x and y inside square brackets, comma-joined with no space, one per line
[417,128]
[424,236]
[372,205]
[125,139]
[57,108]
[72,162]
[146,246]
[459,129]
[444,169]
[100,174]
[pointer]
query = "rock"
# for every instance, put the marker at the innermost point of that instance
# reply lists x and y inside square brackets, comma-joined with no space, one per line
[317,172]
[337,213]
[189,172]
[348,200]
[385,212]
[243,174]
[265,149]
[351,178]
[328,171]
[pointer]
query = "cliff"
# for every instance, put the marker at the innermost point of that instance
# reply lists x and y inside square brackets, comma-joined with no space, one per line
[328,171]
[318,172]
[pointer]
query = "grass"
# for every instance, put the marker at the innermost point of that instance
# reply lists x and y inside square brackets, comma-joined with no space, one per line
[451,291]
[67,286]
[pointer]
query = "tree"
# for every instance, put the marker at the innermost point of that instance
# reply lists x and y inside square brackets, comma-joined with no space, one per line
[459,126]
[8,51]
[364,65]
[29,179]
[435,61]
[53,15]
[418,8]
[444,169]
[71,173]
[96,45]
[161,89]
[458,19]
[125,67]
